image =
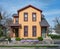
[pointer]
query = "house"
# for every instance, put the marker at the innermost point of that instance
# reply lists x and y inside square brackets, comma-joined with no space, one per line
[29,23]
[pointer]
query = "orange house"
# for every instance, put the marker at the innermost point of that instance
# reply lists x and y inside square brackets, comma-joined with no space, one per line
[29,23]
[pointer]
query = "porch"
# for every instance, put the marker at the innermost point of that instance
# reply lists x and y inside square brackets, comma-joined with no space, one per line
[14,28]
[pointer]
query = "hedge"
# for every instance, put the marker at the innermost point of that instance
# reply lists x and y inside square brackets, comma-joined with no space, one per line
[54,36]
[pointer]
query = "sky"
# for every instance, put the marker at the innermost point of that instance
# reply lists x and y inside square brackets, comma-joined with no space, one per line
[50,8]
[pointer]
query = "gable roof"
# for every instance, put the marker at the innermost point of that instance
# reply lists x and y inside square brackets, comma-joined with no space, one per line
[15,15]
[28,7]
[44,23]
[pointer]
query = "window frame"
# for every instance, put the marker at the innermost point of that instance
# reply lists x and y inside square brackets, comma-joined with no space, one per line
[33,16]
[16,20]
[25,17]
[25,31]
[34,32]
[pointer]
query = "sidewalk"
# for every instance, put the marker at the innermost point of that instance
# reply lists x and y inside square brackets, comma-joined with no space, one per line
[41,45]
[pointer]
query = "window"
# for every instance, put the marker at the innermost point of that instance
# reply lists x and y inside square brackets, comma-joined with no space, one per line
[16,20]
[34,31]
[33,16]
[25,31]
[25,16]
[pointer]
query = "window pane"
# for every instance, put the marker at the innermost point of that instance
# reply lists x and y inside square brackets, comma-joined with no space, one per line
[25,18]
[34,15]
[26,15]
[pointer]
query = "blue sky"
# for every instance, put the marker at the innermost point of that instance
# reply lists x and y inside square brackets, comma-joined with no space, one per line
[50,8]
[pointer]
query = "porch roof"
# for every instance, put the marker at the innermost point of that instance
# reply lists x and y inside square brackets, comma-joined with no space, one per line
[15,25]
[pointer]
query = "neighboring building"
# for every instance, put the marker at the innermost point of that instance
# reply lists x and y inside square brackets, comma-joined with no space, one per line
[52,31]
[29,23]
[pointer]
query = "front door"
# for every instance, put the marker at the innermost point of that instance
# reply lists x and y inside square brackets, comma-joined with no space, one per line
[16,32]
[44,29]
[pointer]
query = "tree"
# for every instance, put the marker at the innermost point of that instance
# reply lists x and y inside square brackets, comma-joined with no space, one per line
[8,21]
[57,25]
[0,16]
[5,20]
[0,24]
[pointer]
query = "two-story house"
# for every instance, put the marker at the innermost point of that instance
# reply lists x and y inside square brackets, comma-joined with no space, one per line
[29,23]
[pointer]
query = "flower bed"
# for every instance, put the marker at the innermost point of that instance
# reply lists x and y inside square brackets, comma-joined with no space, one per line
[29,40]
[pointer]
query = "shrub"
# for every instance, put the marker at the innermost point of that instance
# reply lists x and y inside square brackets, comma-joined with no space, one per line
[54,36]
[17,39]
[40,38]
[9,39]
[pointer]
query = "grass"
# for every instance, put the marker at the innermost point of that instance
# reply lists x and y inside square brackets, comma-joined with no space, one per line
[28,46]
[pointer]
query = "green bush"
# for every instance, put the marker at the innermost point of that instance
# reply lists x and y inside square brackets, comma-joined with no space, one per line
[17,39]
[54,36]
[40,38]
[9,39]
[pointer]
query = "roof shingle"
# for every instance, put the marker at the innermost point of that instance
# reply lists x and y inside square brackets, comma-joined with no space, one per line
[44,23]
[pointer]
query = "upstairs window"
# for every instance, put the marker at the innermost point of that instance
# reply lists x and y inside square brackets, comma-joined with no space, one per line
[33,16]
[25,16]
[16,20]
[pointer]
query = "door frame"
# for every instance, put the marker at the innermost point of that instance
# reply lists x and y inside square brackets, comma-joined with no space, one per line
[45,32]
